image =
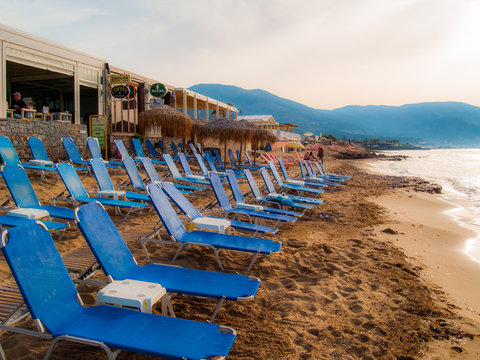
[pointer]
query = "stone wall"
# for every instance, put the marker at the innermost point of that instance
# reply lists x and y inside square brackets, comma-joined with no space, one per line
[50,132]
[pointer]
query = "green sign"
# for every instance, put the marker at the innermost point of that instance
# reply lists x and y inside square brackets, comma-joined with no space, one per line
[158,90]
[98,129]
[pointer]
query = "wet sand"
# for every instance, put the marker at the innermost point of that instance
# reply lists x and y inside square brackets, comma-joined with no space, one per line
[340,289]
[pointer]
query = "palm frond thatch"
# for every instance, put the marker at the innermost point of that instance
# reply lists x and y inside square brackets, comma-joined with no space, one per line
[172,122]
[226,130]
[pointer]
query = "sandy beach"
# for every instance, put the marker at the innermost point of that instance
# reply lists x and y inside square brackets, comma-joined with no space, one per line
[342,287]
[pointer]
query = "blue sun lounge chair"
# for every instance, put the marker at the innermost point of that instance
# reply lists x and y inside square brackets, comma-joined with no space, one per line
[234,162]
[201,165]
[304,165]
[272,192]
[10,157]
[12,221]
[297,188]
[176,174]
[251,163]
[218,158]
[187,207]
[137,146]
[57,309]
[227,209]
[216,241]
[322,172]
[96,153]
[73,153]
[79,194]
[213,166]
[186,167]
[117,262]
[192,147]
[289,181]
[273,198]
[151,149]
[40,156]
[106,186]
[174,149]
[154,177]
[24,196]
[241,204]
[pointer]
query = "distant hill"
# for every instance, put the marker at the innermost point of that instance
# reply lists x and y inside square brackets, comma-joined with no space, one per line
[436,123]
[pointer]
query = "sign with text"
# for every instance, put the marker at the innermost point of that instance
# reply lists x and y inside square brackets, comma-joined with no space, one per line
[120,91]
[120,79]
[156,102]
[158,90]
[98,130]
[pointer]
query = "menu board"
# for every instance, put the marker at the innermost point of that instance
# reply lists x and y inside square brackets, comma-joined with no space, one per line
[98,129]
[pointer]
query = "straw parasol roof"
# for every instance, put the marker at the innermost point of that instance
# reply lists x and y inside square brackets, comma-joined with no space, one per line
[226,130]
[172,122]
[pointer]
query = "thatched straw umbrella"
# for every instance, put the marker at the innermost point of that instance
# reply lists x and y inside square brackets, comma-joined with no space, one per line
[196,126]
[172,122]
[226,130]
[259,136]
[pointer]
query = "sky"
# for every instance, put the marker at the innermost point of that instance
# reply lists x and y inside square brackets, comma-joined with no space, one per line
[322,53]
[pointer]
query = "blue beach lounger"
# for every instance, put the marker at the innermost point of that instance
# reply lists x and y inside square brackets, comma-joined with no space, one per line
[137,146]
[12,221]
[192,147]
[176,174]
[278,199]
[57,309]
[227,208]
[151,149]
[215,241]
[154,177]
[213,166]
[106,186]
[40,156]
[234,162]
[304,165]
[10,157]
[241,204]
[273,193]
[72,152]
[79,194]
[96,153]
[24,196]
[322,172]
[117,262]
[186,167]
[297,188]
[187,207]
[289,181]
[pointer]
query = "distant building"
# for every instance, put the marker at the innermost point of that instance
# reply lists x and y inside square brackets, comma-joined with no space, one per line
[267,122]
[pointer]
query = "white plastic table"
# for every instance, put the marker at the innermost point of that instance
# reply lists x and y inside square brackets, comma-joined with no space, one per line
[140,295]
[219,225]
[26,213]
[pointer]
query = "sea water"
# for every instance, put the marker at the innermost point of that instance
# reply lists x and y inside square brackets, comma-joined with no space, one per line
[457,171]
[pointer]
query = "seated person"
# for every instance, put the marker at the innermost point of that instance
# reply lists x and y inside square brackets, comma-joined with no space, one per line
[17,104]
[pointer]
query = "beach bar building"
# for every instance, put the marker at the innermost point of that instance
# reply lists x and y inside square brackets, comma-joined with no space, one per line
[53,79]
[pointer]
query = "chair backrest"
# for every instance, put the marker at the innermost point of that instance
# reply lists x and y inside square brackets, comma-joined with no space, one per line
[201,164]
[283,168]
[248,158]
[19,185]
[275,173]
[180,145]
[171,166]
[232,158]
[253,185]
[210,161]
[121,148]
[137,146]
[165,211]
[133,174]
[219,191]
[72,181]
[37,148]
[268,182]
[7,152]
[239,157]
[199,146]
[236,191]
[180,200]
[71,150]
[174,148]
[40,274]
[150,169]
[302,170]
[321,168]
[192,147]
[105,241]
[151,149]
[94,148]
[184,163]
[218,157]
[101,174]
[309,169]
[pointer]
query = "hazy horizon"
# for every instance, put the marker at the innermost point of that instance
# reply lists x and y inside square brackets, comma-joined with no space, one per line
[321,53]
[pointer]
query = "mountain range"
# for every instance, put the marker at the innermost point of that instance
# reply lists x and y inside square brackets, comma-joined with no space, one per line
[432,123]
